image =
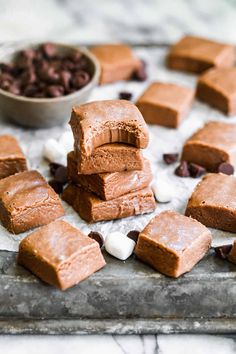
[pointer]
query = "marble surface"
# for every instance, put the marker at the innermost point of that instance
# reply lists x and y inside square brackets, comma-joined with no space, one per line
[142,21]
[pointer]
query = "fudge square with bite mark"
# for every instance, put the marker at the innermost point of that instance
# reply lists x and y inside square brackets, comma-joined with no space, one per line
[195,54]
[217,88]
[12,159]
[27,201]
[117,62]
[212,145]
[173,243]
[60,254]
[213,202]
[165,104]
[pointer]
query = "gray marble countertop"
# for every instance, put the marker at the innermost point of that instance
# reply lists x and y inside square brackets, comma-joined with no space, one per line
[133,21]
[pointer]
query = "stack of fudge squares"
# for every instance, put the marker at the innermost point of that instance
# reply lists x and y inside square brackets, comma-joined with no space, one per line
[109,178]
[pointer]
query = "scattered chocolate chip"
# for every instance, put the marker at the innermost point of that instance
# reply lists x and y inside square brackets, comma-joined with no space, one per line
[133,234]
[97,237]
[125,95]
[61,175]
[140,74]
[196,170]
[226,168]
[182,170]
[223,251]
[57,186]
[170,158]
[53,166]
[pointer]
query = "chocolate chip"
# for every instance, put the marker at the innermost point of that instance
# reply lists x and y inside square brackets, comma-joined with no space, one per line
[65,78]
[133,234]
[55,91]
[170,158]
[97,237]
[196,170]
[57,186]
[223,251]
[226,168]
[14,89]
[80,79]
[182,170]
[140,74]
[49,50]
[125,95]
[6,68]
[53,166]
[61,175]
[75,56]
[28,77]
[30,90]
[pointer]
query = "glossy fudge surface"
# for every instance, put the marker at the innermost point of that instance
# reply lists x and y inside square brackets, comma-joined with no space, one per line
[12,159]
[60,254]
[110,185]
[173,243]
[212,145]
[117,62]
[217,87]
[195,54]
[213,202]
[92,209]
[110,121]
[165,104]
[114,157]
[27,201]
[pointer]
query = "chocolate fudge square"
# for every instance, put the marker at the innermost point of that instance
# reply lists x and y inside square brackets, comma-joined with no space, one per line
[27,201]
[165,104]
[117,62]
[217,88]
[114,157]
[109,185]
[213,202]
[195,54]
[110,121]
[92,209]
[60,254]
[173,243]
[212,145]
[12,159]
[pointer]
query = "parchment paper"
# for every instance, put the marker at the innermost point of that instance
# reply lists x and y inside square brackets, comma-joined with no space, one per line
[161,140]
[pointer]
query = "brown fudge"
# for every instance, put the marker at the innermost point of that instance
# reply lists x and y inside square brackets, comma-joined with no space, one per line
[60,254]
[212,145]
[114,157]
[103,122]
[110,185]
[195,54]
[213,202]
[93,209]
[172,243]
[12,159]
[217,87]
[27,201]
[117,62]
[165,104]
[232,254]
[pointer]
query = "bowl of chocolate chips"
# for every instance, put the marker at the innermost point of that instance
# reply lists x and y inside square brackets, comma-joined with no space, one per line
[40,84]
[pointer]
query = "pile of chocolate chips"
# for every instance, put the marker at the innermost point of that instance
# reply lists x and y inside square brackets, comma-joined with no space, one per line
[45,73]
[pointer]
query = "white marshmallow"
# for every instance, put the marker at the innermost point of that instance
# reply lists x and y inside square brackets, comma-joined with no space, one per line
[53,152]
[119,245]
[163,190]
[66,141]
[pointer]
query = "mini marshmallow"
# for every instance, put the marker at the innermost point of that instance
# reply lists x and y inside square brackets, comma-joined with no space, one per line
[53,152]
[119,245]
[66,141]
[163,191]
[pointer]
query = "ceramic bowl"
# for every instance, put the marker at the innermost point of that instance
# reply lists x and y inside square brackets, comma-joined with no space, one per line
[46,112]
